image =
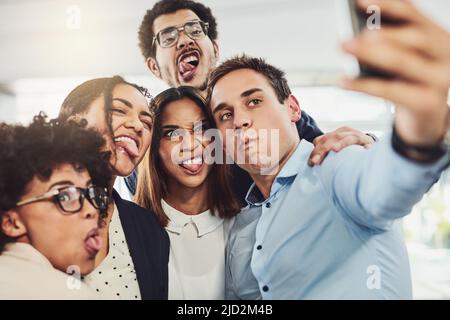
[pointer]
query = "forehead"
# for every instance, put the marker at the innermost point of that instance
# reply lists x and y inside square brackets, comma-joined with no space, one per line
[63,172]
[231,86]
[131,94]
[173,19]
[182,112]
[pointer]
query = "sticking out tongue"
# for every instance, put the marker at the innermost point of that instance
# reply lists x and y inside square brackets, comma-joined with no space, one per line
[129,146]
[185,67]
[192,167]
[186,70]
[94,243]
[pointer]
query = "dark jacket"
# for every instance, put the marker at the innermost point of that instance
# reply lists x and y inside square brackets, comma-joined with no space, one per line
[148,243]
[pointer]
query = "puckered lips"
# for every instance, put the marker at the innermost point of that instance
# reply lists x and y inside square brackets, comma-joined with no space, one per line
[128,144]
[187,63]
[246,142]
[192,165]
[93,242]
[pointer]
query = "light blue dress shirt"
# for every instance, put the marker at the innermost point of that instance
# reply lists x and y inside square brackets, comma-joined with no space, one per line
[331,231]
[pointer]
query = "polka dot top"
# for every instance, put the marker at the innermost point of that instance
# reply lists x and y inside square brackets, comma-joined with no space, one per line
[115,276]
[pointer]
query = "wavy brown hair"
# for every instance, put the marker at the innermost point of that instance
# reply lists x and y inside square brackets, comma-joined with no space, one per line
[152,178]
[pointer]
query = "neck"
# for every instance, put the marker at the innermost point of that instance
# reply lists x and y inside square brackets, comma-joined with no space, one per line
[190,201]
[264,182]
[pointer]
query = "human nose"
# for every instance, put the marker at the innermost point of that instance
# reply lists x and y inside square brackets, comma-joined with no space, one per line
[134,123]
[191,141]
[183,39]
[242,119]
[88,211]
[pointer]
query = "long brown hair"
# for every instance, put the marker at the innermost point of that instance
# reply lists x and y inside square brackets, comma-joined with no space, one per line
[152,178]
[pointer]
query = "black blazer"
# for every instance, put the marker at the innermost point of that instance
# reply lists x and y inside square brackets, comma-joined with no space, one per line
[149,244]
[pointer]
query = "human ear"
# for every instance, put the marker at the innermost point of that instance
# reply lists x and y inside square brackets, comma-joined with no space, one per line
[152,65]
[12,225]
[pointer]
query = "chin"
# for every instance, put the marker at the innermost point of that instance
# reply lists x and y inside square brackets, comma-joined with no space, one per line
[193,181]
[87,267]
[122,172]
[124,168]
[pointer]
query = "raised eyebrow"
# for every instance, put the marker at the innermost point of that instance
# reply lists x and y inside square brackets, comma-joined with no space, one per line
[61,183]
[250,92]
[125,102]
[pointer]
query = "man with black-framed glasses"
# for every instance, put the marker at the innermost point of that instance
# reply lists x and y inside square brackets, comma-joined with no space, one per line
[179,42]
[49,234]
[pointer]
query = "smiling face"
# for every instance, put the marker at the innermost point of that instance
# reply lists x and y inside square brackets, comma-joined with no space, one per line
[259,132]
[182,144]
[64,239]
[187,62]
[131,123]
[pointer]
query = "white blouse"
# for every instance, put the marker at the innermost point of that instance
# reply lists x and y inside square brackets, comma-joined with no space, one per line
[197,255]
[115,275]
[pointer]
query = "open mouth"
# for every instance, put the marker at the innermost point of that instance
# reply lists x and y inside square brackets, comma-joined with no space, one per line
[192,166]
[187,65]
[127,145]
[93,242]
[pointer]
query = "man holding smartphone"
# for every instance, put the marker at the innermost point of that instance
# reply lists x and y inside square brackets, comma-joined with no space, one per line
[333,231]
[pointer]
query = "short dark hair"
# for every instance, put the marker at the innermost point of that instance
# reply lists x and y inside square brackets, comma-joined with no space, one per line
[146,32]
[152,179]
[275,76]
[36,150]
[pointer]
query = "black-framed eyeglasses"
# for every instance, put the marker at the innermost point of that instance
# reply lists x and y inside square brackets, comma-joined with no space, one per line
[70,199]
[169,36]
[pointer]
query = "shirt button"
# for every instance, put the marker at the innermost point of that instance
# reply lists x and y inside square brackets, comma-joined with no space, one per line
[265,288]
[259,247]
[268,205]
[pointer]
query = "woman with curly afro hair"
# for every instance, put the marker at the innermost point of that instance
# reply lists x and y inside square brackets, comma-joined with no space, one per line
[53,189]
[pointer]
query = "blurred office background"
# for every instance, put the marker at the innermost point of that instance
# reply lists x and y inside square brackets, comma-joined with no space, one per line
[47,47]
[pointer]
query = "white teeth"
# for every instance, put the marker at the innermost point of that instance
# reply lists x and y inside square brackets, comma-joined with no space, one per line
[190,59]
[196,160]
[127,139]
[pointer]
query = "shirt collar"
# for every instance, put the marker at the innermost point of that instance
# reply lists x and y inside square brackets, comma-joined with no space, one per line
[204,222]
[294,166]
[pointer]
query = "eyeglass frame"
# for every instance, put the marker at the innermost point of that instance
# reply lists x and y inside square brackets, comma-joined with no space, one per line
[52,194]
[204,25]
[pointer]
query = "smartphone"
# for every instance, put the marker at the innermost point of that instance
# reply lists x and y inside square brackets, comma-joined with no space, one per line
[352,21]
